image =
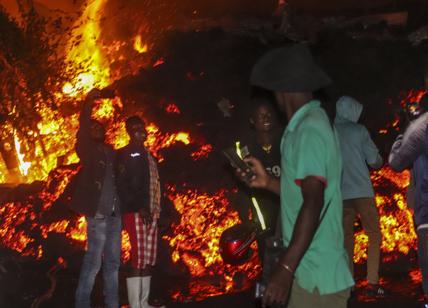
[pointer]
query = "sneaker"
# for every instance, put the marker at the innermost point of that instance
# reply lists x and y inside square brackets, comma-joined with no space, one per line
[375,290]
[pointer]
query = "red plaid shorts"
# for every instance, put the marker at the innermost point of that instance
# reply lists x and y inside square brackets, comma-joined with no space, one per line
[143,239]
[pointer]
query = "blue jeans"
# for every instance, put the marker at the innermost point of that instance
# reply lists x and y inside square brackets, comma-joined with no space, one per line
[104,244]
[423,257]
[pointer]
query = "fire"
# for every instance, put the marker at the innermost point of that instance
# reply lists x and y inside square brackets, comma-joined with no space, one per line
[26,226]
[412,96]
[405,97]
[203,152]
[79,232]
[172,108]
[396,222]
[156,140]
[85,56]
[23,165]
[139,45]
[23,226]
[196,241]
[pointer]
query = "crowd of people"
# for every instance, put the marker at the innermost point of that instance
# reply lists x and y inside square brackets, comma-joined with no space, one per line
[325,183]
[311,181]
[115,190]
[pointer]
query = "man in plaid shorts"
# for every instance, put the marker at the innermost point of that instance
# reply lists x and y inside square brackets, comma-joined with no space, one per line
[139,191]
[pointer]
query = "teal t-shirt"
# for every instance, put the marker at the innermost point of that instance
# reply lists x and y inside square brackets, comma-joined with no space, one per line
[309,147]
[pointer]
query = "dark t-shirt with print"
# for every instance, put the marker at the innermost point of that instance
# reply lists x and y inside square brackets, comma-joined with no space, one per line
[267,201]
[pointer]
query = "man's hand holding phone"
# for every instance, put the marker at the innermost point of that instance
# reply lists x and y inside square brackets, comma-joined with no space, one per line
[258,175]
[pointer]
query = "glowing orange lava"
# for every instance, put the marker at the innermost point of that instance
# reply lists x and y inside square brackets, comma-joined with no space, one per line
[196,243]
[396,221]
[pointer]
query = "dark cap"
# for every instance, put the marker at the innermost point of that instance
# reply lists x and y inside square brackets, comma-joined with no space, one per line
[289,69]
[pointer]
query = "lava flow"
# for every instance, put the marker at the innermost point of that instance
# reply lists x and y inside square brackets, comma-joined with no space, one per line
[42,155]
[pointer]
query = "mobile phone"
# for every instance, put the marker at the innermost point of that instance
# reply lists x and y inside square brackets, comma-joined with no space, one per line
[237,162]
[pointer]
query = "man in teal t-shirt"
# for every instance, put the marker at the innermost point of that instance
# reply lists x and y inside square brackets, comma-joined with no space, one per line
[313,271]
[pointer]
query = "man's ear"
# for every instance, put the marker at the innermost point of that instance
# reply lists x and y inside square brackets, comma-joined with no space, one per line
[251,121]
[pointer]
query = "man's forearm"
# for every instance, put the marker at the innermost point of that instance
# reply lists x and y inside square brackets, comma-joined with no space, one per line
[303,233]
[307,222]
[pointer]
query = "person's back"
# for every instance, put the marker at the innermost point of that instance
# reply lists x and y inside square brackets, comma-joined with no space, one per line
[358,150]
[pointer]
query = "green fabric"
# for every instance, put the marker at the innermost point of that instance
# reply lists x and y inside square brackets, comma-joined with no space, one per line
[309,147]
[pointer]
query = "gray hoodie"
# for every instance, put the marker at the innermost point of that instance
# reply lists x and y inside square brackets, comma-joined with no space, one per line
[358,150]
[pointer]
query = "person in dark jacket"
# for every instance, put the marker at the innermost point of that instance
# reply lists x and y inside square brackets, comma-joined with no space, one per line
[95,197]
[410,151]
[139,191]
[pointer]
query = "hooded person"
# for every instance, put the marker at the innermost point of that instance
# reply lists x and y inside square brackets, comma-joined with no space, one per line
[359,152]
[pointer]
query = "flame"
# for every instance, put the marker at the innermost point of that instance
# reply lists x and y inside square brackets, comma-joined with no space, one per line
[203,152]
[196,241]
[396,220]
[412,96]
[139,45]
[405,97]
[85,56]
[78,233]
[27,226]
[23,165]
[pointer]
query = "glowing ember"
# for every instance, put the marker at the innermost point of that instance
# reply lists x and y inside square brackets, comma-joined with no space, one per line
[156,141]
[203,152]
[412,96]
[23,228]
[172,108]
[396,220]
[159,62]
[139,45]
[196,242]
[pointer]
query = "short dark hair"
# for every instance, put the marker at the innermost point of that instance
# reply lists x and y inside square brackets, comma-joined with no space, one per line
[257,102]
[133,120]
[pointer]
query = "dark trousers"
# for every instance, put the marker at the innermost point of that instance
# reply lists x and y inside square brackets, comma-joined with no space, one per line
[423,257]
